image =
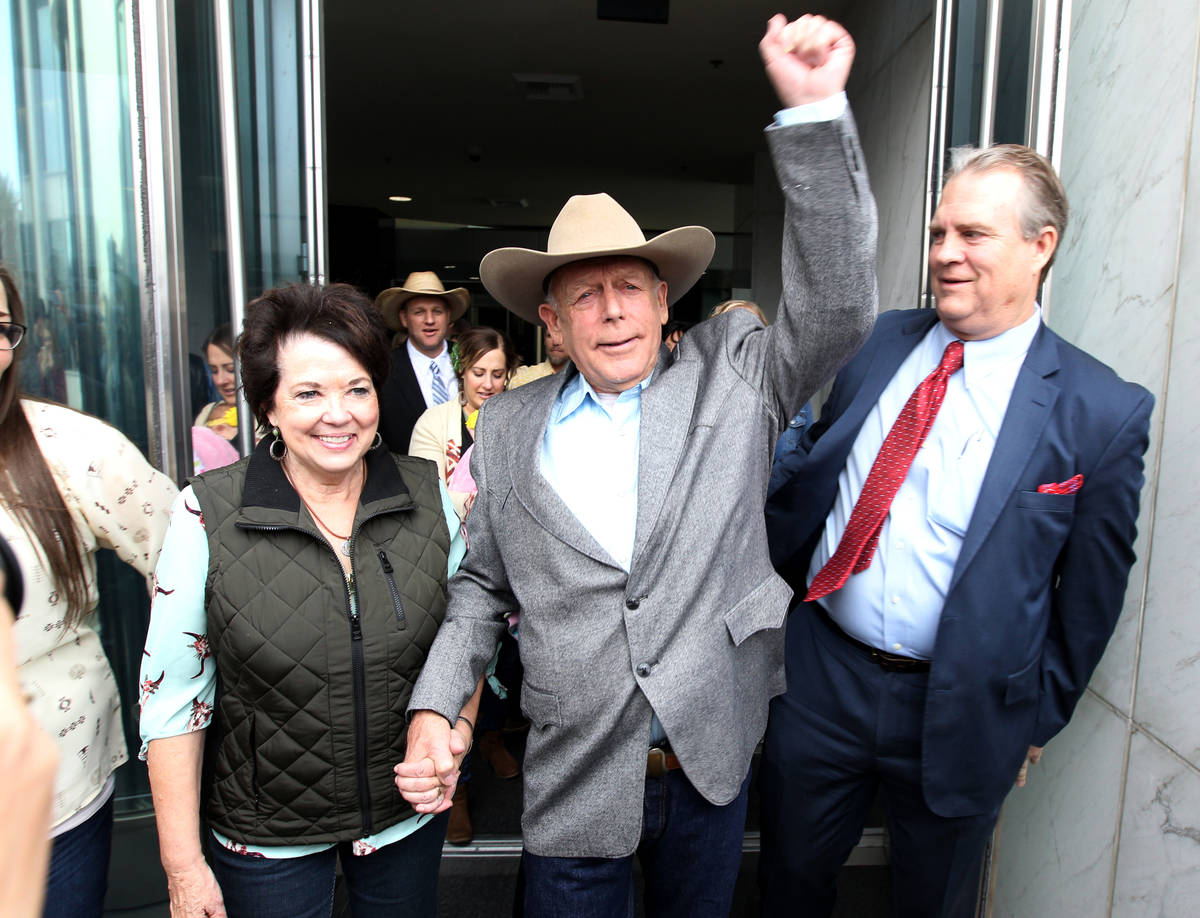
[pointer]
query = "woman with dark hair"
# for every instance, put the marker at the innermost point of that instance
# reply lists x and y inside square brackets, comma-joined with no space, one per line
[218,355]
[215,430]
[483,360]
[71,484]
[308,581]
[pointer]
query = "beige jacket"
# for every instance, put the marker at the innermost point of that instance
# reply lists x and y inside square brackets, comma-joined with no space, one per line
[118,501]
[437,436]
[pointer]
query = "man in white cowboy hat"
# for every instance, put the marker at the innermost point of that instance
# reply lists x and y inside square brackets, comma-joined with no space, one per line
[620,512]
[422,375]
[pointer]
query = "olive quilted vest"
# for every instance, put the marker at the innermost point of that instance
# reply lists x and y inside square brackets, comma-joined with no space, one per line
[310,711]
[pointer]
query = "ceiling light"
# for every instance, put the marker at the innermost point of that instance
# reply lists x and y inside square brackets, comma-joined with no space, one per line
[399,198]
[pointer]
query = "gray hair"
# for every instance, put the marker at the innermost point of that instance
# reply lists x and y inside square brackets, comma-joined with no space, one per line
[1044,201]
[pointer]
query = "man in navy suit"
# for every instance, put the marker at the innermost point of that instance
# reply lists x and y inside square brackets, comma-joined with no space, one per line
[936,652]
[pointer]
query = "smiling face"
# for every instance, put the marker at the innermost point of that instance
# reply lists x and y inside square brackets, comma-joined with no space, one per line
[325,408]
[610,314]
[484,378]
[427,321]
[984,273]
[220,367]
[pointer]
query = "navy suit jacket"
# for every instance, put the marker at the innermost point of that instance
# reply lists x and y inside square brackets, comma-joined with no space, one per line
[1040,579]
[400,403]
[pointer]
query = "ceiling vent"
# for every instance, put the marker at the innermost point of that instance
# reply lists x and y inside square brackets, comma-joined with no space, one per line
[550,87]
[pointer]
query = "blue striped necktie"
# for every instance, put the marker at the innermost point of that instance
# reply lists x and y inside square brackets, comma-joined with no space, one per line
[440,392]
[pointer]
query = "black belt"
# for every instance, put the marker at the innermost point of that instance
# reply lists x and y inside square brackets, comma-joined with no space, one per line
[891,662]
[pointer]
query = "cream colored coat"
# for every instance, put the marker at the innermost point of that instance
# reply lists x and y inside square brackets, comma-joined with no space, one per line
[437,436]
[116,500]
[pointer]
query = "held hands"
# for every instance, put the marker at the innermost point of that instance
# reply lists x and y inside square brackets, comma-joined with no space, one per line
[429,773]
[807,60]
[1032,757]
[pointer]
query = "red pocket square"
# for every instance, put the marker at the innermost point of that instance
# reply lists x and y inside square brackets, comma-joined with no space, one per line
[1070,486]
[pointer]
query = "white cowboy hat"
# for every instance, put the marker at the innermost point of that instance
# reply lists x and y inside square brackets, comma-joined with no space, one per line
[594,226]
[420,283]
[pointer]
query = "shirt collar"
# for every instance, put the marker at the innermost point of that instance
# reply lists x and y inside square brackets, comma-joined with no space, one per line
[578,390]
[986,356]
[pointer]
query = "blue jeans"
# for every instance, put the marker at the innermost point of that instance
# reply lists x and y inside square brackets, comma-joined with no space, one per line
[78,876]
[690,852]
[398,879]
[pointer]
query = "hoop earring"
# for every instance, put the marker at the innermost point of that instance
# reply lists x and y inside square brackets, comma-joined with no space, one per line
[376,443]
[277,455]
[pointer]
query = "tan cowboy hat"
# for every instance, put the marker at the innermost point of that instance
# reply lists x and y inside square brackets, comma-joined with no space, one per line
[593,226]
[420,283]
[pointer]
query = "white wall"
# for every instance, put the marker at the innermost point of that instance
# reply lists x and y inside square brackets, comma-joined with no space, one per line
[1110,824]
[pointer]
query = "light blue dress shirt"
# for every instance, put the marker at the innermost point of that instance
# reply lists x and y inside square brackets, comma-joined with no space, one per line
[590,457]
[896,603]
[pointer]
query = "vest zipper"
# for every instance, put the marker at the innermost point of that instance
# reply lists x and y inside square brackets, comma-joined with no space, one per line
[397,605]
[358,665]
[360,715]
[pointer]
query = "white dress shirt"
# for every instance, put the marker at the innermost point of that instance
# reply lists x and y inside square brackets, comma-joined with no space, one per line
[896,603]
[421,366]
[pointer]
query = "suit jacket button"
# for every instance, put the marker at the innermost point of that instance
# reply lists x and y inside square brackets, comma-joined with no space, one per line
[632,604]
[643,669]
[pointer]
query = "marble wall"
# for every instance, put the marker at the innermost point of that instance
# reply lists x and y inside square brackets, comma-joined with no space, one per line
[1110,822]
[890,90]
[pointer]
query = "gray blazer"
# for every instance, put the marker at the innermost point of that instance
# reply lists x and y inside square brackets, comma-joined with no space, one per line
[694,631]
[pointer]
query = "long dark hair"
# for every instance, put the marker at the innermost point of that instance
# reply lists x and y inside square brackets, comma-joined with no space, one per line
[28,489]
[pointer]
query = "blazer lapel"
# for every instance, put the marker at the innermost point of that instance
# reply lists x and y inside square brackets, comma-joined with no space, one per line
[1033,398]
[666,419]
[529,485]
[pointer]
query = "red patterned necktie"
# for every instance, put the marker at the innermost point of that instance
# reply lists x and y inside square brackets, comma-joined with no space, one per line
[857,547]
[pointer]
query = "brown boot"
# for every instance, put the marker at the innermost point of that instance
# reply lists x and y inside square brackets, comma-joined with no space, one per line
[496,754]
[458,829]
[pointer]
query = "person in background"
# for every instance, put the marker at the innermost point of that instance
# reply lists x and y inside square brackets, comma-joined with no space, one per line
[422,374]
[220,417]
[752,308]
[483,359]
[309,579]
[556,360]
[72,485]
[959,533]
[215,429]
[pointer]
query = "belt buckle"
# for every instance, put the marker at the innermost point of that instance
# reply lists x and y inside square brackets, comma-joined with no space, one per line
[893,662]
[656,762]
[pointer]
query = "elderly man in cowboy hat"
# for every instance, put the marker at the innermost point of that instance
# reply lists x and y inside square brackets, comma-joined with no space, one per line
[620,511]
[422,375]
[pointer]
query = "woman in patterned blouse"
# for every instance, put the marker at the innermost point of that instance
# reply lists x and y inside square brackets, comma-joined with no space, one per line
[73,485]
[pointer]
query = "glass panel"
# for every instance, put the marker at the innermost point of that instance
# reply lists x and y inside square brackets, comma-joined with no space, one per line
[271,140]
[966,83]
[68,234]
[1012,76]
